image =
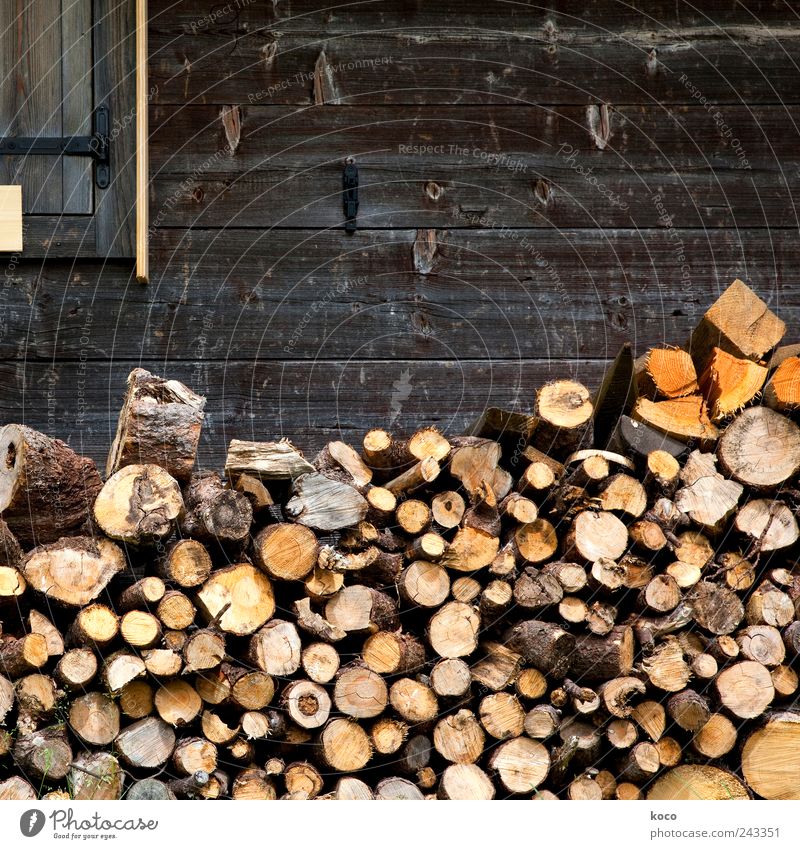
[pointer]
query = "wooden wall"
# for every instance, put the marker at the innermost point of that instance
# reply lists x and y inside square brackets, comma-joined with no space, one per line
[539,183]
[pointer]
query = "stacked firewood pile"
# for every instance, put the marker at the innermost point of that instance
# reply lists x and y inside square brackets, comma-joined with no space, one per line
[594,601]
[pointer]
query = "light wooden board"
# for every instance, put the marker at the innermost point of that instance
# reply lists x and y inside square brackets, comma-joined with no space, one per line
[10,218]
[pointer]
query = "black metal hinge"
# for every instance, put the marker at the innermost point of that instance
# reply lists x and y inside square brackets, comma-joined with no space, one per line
[350,194]
[97,146]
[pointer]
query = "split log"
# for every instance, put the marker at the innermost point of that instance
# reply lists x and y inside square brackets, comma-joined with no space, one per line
[459,737]
[682,418]
[120,668]
[706,496]
[325,505]
[696,782]
[770,757]
[466,782]
[317,625]
[596,534]
[276,649]
[344,746]
[176,611]
[729,383]
[414,701]
[362,610]
[286,552]
[76,668]
[782,392]
[238,599]
[671,372]
[139,504]
[94,718]
[740,323]
[359,692]
[745,689]
[338,461]
[46,489]
[564,409]
[266,460]
[261,501]
[451,678]
[716,737]
[74,570]
[159,423]
[771,525]
[453,630]
[760,448]
[146,744]
[521,764]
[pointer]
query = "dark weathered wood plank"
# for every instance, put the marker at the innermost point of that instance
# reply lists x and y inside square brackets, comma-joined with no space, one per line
[475,52]
[311,403]
[30,97]
[489,294]
[445,166]
[77,102]
[114,85]
[56,237]
[717,18]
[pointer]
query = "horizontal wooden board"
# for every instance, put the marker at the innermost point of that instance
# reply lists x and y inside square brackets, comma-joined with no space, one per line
[453,166]
[310,403]
[474,52]
[251,295]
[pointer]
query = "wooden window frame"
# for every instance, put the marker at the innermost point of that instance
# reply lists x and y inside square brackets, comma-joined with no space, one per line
[120,39]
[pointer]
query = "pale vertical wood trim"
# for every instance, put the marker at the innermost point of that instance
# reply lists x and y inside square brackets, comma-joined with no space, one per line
[10,218]
[142,158]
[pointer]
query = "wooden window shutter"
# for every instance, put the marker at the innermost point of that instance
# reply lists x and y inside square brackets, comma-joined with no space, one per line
[60,60]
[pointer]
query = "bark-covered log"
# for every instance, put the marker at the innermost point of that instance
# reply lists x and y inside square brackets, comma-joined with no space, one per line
[46,489]
[159,423]
[214,513]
